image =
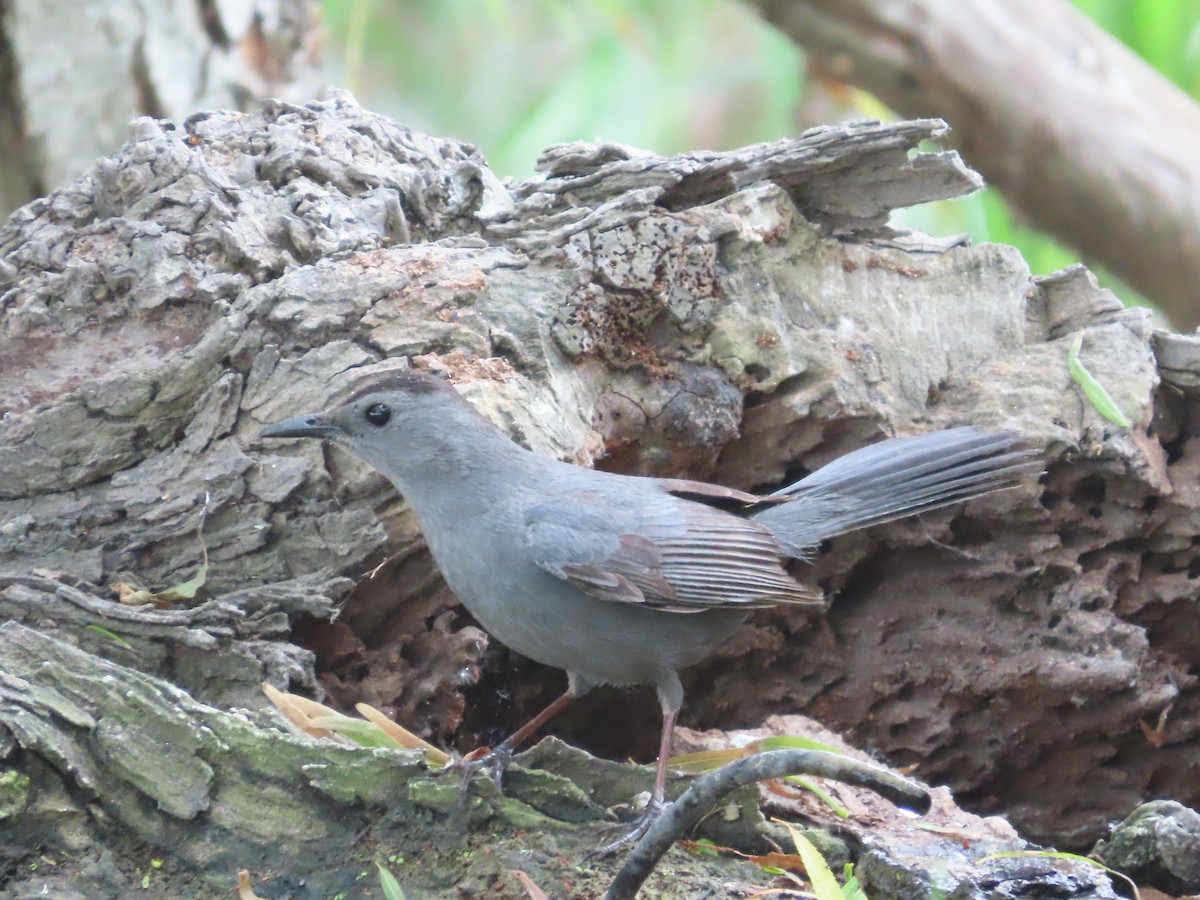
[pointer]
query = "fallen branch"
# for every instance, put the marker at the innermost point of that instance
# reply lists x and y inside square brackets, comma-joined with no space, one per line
[702,796]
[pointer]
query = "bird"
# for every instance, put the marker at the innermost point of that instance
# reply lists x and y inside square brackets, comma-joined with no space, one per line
[623,579]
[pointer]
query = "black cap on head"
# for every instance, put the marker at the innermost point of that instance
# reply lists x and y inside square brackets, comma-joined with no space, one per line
[405,382]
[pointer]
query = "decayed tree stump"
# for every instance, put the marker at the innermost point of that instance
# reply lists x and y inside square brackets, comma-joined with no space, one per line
[742,317]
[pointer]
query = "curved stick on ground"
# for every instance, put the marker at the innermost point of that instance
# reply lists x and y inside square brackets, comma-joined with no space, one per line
[707,792]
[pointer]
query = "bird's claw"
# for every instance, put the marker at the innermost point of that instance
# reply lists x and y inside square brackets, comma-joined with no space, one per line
[494,762]
[654,809]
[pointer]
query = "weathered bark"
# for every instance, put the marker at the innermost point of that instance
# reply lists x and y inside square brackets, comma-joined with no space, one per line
[1082,137]
[73,74]
[111,761]
[741,316]
[1159,844]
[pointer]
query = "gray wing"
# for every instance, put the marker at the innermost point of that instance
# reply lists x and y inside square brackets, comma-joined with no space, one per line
[660,551]
[895,478]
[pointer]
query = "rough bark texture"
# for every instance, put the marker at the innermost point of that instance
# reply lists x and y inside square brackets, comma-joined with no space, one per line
[72,74]
[743,317]
[121,768]
[1082,136]
[1159,843]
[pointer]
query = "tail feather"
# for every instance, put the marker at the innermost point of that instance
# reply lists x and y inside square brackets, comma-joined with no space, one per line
[893,479]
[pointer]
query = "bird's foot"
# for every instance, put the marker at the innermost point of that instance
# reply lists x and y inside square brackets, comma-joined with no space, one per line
[494,762]
[654,808]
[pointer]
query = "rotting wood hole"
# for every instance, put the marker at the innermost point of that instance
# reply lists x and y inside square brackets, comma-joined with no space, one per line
[790,385]
[1175,448]
[1050,499]
[1089,494]
[758,372]
[968,532]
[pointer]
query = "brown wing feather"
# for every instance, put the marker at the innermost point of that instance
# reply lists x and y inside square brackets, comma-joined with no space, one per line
[716,494]
[724,560]
[686,557]
[632,575]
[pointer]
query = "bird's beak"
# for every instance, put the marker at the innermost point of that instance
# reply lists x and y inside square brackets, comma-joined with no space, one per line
[309,425]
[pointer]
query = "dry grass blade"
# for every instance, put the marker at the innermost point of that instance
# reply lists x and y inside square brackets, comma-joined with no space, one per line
[776,861]
[403,736]
[534,892]
[301,712]
[245,892]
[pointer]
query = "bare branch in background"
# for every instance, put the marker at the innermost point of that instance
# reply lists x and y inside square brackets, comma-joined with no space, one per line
[1085,139]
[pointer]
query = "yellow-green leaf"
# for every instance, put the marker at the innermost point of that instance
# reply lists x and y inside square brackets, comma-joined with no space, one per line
[387,881]
[108,634]
[823,795]
[187,589]
[1100,399]
[824,884]
[402,736]
[358,731]
[792,742]
[704,760]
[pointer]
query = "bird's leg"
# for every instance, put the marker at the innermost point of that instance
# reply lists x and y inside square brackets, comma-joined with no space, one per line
[657,798]
[658,802]
[496,760]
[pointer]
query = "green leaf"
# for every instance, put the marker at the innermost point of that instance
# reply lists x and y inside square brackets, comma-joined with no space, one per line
[361,732]
[108,634]
[705,760]
[824,796]
[1092,389]
[791,742]
[387,881]
[852,890]
[824,884]
[186,590]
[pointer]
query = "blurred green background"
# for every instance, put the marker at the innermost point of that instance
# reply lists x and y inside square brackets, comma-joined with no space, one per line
[515,76]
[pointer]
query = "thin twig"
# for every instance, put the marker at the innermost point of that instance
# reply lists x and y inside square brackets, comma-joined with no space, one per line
[681,815]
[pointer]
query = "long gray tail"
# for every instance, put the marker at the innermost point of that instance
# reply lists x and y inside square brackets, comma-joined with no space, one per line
[895,478]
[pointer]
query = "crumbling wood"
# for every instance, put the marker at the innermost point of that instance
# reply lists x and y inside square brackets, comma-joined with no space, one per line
[125,760]
[741,317]
[130,761]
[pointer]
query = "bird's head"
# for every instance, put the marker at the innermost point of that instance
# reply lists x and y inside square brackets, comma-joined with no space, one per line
[397,423]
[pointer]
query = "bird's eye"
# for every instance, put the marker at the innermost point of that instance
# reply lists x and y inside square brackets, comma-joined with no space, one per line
[378,414]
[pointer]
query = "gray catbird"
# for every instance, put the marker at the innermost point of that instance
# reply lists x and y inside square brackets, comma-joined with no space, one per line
[621,579]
